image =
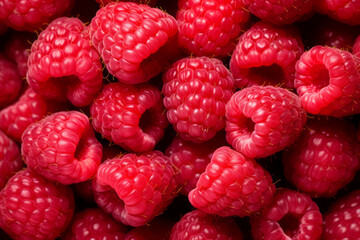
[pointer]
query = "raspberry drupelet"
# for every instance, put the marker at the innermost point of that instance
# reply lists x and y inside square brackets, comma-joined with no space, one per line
[346,11]
[148,2]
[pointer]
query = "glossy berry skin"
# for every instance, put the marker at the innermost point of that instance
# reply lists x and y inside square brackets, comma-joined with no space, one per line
[266,55]
[135,188]
[324,158]
[262,120]
[346,11]
[131,116]
[342,220]
[129,37]
[211,28]
[199,225]
[10,158]
[291,215]
[62,147]
[63,66]
[94,223]
[33,208]
[327,81]
[29,15]
[196,91]
[157,229]
[148,2]
[232,185]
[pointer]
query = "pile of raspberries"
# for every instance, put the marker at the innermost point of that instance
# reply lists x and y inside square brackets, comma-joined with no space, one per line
[180,120]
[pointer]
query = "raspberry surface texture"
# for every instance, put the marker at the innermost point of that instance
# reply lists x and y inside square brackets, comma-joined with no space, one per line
[211,28]
[262,120]
[33,208]
[346,11]
[62,147]
[135,188]
[196,91]
[199,225]
[63,65]
[132,116]
[232,185]
[133,40]
[148,2]
[291,215]
[324,159]
[266,55]
[327,81]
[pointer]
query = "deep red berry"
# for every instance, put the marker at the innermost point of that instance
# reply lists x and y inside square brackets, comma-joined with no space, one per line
[199,225]
[34,208]
[262,120]
[148,2]
[196,91]
[291,215]
[342,220]
[232,185]
[135,188]
[62,147]
[10,158]
[325,157]
[211,28]
[266,55]
[131,37]
[94,223]
[327,81]
[157,229]
[346,11]
[63,65]
[356,47]
[132,116]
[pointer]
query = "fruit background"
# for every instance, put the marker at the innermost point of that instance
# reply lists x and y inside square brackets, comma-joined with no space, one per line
[188,119]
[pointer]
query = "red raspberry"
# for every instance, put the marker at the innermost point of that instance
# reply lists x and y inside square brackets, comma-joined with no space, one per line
[63,65]
[262,120]
[10,158]
[190,159]
[325,157]
[131,38]
[29,15]
[327,81]
[342,221]
[10,82]
[148,2]
[356,47]
[199,225]
[291,215]
[131,116]
[266,55]
[346,11]
[135,188]
[157,229]
[94,223]
[211,28]
[34,208]
[280,12]
[62,147]
[232,185]
[196,91]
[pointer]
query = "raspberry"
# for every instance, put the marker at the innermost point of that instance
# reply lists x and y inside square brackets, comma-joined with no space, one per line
[94,223]
[342,219]
[266,55]
[29,15]
[131,116]
[280,12]
[34,208]
[148,2]
[325,157]
[63,65]
[232,185]
[190,159]
[199,225]
[327,81]
[291,215]
[196,91]
[356,47]
[211,28]
[135,188]
[346,11]
[10,159]
[262,120]
[131,39]
[157,229]
[10,82]
[62,147]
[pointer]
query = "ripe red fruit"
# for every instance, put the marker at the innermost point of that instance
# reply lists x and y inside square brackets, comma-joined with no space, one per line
[346,11]
[148,2]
